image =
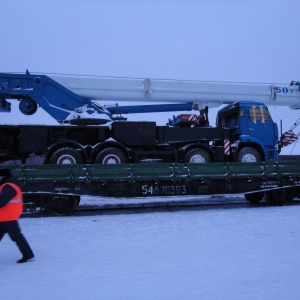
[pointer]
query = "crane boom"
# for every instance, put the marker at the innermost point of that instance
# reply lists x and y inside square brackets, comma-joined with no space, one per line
[69,97]
[203,93]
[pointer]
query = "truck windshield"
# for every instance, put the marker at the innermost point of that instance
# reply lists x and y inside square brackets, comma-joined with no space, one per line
[259,113]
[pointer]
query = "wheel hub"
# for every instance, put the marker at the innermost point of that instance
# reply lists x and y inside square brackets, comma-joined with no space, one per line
[197,158]
[66,160]
[249,158]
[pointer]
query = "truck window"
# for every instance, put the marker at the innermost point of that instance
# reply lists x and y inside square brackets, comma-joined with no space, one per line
[259,114]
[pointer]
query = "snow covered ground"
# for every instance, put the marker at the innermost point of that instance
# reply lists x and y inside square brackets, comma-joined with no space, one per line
[240,253]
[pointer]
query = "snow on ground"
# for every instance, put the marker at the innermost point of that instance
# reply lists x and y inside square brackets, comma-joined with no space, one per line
[240,253]
[107,202]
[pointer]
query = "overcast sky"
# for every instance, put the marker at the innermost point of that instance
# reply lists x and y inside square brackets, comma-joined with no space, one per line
[243,41]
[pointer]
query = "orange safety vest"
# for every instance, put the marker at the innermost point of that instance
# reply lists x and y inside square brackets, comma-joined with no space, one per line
[13,209]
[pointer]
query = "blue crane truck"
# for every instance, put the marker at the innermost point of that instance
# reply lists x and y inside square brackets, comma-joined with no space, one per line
[94,133]
[245,132]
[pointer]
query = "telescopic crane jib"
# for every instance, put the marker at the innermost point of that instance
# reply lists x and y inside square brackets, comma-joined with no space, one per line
[70,97]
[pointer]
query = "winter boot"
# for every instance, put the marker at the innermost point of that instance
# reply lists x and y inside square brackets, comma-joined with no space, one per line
[24,259]
[25,249]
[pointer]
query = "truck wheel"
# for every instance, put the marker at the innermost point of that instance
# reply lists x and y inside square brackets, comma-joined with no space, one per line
[66,156]
[249,154]
[197,156]
[111,156]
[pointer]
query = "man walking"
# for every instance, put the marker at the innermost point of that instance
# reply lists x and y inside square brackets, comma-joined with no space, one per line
[11,206]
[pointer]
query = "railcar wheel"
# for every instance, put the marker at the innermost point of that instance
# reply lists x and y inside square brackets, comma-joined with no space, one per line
[254,198]
[66,156]
[61,205]
[111,156]
[197,156]
[278,198]
[249,155]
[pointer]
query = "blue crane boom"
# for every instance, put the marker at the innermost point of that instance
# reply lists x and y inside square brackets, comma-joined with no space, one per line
[62,103]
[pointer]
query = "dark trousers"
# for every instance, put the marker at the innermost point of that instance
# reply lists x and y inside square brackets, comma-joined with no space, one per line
[12,228]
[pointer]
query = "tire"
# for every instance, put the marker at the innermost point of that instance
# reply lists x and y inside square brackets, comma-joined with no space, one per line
[66,156]
[111,156]
[197,156]
[249,155]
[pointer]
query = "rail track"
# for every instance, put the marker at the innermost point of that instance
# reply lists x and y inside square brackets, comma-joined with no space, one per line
[103,206]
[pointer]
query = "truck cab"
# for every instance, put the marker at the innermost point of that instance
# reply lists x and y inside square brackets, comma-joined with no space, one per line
[253,134]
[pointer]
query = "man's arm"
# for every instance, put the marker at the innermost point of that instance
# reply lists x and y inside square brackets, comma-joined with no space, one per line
[7,194]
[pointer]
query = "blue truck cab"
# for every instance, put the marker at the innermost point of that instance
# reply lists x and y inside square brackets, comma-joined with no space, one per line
[253,134]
